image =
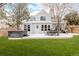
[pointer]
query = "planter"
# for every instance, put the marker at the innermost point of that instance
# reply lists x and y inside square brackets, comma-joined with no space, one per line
[17,34]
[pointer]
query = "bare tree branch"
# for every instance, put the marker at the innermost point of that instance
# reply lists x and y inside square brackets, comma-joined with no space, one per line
[58,11]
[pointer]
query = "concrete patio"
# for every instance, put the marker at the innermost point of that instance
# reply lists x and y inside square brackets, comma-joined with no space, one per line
[62,35]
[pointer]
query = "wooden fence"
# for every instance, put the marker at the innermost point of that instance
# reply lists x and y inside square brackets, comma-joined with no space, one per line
[4,31]
[74,28]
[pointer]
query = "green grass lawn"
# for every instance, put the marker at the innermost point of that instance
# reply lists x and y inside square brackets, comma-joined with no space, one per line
[39,47]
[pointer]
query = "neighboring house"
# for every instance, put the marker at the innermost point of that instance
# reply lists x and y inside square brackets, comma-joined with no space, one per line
[40,22]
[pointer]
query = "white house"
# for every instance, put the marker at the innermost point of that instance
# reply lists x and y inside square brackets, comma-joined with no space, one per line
[40,22]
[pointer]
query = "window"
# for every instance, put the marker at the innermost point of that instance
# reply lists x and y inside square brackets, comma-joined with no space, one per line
[45,27]
[37,26]
[41,27]
[28,27]
[25,27]
[43,18]
[48,27]
[51,17]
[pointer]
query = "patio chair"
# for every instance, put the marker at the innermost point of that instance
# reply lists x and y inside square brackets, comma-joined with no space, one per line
[52,32]
[25,34]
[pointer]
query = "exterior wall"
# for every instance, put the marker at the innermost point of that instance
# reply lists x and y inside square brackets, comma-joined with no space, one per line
[35,30]
[38,30]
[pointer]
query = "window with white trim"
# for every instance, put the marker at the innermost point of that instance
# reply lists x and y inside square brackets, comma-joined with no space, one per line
[45,27]
[42,27]
[48,27]
[42,18]
[25,27]
[28,27]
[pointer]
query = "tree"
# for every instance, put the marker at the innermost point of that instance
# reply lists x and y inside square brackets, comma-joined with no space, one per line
[18,13]
[72,18]
[2,12]
[58,11]
[2,4]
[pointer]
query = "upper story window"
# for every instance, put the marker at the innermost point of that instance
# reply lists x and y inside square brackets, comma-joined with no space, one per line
[43,18]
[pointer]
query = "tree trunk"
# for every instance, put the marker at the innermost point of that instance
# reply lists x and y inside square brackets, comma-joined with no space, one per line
[58,25]
[17,27]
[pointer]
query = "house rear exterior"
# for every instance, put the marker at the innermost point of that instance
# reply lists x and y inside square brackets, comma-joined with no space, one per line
[40,22]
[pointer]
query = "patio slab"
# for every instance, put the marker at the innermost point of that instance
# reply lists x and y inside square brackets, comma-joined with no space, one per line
[62,35]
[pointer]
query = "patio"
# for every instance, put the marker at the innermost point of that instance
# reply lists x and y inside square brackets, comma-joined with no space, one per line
[62,35]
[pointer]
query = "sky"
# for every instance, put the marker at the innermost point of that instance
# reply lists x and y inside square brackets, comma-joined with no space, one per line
[37,6]
[34,7]
[76,6]
[31,6]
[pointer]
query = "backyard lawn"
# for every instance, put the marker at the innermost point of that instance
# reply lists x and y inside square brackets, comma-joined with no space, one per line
[39,47]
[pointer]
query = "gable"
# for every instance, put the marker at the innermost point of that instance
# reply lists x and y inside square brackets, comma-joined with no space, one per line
[41,12]
[38,14]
